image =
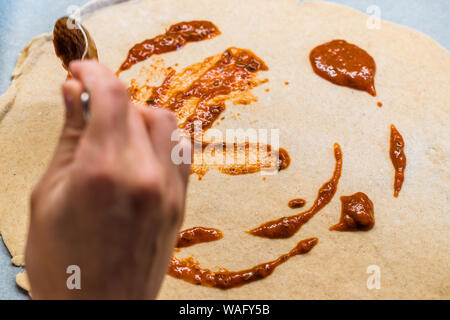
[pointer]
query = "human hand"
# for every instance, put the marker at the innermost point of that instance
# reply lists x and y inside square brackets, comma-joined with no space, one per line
[111,201]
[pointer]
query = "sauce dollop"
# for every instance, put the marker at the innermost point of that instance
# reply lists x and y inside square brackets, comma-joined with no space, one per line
[398,158]
[175,38]
[190,271]
[296,203]
[344,64]
[189,237]
[284,160]
[288,226]
[357,213]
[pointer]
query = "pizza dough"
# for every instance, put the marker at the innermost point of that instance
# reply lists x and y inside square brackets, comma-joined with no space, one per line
[409,242]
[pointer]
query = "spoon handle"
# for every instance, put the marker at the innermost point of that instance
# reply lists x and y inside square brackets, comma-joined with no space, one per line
[85,98]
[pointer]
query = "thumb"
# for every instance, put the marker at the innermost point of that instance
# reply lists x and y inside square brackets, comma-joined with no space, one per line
[72,90]
[74,123]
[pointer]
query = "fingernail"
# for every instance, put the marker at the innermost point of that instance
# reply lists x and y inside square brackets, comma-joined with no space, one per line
[68,101]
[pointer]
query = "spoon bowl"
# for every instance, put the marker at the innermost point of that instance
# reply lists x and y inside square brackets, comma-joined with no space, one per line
[73,42]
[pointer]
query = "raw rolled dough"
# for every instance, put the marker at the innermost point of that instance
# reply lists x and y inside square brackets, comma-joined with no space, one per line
[409,243]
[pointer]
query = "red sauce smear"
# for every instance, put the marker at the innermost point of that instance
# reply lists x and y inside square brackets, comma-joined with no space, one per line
[357,213]
[189,237]
[233,71]
[236,158]
[296,203]
[175,38]
[287,226]
[344,64]
[398,158]
[282,163]
[190,271]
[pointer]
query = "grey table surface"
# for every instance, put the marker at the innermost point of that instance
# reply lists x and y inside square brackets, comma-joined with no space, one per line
[22,20]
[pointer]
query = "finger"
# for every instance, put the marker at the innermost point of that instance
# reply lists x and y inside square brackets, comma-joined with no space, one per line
[161,127]
[108,98]
[74,123]
[185,167]
[72,90]
[138,133]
